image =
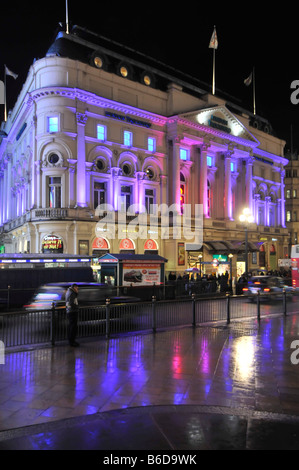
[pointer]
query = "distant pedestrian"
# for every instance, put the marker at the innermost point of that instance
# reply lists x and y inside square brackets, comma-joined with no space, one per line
[72,309]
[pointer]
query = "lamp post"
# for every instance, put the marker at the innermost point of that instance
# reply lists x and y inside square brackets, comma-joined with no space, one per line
[200,261]
[230,272]
[246,218]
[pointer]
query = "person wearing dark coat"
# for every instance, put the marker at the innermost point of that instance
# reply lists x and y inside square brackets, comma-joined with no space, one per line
[72,308]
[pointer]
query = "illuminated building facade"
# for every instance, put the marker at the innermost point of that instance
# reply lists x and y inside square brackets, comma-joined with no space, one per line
[97,123]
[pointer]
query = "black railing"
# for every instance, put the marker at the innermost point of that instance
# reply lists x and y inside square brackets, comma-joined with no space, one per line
[50,326]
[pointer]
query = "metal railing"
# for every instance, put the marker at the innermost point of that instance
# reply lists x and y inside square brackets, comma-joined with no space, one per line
[50,326]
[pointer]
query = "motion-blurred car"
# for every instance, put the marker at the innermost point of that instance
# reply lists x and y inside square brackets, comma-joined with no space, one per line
[268,286]
[89,294]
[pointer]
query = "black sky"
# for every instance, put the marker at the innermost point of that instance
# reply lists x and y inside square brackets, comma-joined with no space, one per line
[178,34]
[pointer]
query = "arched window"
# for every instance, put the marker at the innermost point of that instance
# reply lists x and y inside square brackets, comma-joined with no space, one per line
[209,199]
[182,192]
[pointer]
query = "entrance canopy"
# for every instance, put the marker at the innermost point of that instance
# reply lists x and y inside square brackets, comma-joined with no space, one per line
[227,247]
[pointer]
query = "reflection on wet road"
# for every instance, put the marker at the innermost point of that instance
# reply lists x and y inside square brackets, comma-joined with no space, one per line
[244,364]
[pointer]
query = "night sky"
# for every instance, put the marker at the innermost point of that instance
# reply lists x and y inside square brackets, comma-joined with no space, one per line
[179,35]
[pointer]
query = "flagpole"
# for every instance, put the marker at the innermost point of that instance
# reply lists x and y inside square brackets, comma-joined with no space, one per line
[66,17]
[253,78]
[213,86]
[5,94]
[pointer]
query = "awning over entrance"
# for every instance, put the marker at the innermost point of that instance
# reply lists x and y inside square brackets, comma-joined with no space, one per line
[227,247]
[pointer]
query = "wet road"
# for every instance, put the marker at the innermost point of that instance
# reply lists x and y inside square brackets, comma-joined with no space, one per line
[213,387]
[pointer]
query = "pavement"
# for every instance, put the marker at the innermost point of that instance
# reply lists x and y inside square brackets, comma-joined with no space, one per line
[213,387]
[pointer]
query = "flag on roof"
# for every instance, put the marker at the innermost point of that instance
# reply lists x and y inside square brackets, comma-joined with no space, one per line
[10,73]
[214,40]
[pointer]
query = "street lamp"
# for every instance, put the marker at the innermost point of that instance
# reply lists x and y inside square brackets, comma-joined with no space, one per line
[200,261]
[246,218]
[230,272]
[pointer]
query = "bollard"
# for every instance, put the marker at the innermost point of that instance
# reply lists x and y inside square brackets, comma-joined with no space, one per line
[284,301]
[52,326]
[107,318]
[258,305]
[228,308]
[154,313]
[193,311]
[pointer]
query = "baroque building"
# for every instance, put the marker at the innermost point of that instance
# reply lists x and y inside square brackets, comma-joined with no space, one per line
[97,123]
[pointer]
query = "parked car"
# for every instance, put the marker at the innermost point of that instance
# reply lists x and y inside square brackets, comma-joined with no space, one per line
[90,293]
[268,286]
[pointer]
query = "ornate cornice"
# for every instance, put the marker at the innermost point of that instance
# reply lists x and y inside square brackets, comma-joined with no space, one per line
[95,100]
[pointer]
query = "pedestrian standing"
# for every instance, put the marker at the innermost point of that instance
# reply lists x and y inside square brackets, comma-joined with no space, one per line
[72,309]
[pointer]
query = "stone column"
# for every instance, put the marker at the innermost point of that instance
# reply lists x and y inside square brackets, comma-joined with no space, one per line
[248,183]
[81,158]
[38,184]
[176,172]
[203,195]
[282,176]
[228,211]
[8,185]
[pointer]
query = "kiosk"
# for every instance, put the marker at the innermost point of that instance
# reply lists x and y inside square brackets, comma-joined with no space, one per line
[126,269]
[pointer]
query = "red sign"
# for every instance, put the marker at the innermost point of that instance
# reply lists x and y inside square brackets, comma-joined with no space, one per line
[100,244]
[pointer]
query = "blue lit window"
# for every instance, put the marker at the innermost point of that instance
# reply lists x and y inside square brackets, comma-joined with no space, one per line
[128,138]
[101,132]
[151,144]
[232,166]
[209,160]
[184,154]
[53,124]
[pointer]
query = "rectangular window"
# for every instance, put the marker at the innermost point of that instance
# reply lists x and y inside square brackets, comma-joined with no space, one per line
[294,193]
[232,167]
[125,198]
[99,194]
[128,138]
[184,154]
[149,200]
[53,124]
[54,192]
[288,193]
[84,247]
[101,132]
[209,160]
[151,144]
[288,216]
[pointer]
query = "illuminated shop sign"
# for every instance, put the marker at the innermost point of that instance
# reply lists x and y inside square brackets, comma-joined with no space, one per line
[128,119]
[52,244]
[220,258]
